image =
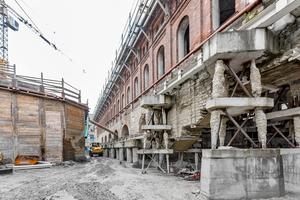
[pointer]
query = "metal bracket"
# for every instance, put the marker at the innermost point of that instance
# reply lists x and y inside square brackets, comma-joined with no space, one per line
[132,50]
[144,29]
[163,8]
[120,76]
[125,64]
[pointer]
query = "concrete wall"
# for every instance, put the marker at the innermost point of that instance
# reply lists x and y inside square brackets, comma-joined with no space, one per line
[291,167]
[237,174]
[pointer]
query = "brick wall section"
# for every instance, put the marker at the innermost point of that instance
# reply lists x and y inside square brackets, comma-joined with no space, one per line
[192,96]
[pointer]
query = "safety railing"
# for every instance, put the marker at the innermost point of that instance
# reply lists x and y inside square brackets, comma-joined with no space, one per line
[59,88]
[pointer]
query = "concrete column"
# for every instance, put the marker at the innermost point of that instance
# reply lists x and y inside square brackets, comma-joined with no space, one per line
[129,155]
[121,154]
[261,124]
[135,156]
[181,159]
[222,133]
[196,161]
[160,160]
[168,165]
[117,154]
[112,153]
[106,152]
[220,85]
[255,79]
[214,125]
[297,130]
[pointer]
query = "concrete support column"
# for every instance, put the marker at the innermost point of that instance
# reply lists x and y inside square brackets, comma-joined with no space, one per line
[255,79]
[135,156]
[222,133]
[121,154]
[214,125]
[117,154]
[297,130]
[106,152]
[261,124]
[129,155]
[220,85]
[181,159]
[196,161]
[160,160]
[112,153]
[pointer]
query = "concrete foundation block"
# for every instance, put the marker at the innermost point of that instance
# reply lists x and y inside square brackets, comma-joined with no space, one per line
[242,174]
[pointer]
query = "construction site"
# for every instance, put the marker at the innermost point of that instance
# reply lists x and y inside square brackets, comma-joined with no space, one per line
[201,102]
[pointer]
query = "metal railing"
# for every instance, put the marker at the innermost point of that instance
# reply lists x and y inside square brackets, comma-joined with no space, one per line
[60,88]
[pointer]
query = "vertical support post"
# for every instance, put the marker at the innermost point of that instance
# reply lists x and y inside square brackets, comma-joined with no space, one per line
[42,90]
[143,161]
[117,154]
[135,156]
[196,161]
[181,159]
[168,163]
[79,96]
[129,155]
[62,88]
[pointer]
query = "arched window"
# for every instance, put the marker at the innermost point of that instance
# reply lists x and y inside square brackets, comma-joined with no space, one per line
[105,139]
[118,106]
[222,10]
[102,139]
[115,110]
[146,77]
[123,101]
[136,87]
[109,138]
[161,61]
[125,131]
[183,38]
[128,95]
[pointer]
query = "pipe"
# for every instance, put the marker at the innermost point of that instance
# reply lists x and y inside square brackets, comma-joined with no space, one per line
[250,6]
[103,127]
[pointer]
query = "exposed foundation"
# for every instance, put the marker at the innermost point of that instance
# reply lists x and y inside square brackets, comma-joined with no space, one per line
[242,174]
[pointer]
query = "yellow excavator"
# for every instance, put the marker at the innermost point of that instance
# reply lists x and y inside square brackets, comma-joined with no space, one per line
[95,149]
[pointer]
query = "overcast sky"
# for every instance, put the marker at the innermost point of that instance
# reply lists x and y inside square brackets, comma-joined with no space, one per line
[87,32]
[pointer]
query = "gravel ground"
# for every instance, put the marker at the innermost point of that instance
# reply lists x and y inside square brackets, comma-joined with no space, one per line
[101,178]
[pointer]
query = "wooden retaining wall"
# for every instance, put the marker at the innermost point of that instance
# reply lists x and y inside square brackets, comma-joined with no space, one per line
[33,125]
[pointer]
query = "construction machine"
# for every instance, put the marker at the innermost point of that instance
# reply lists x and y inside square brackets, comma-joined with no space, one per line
[3,162]
[95,149]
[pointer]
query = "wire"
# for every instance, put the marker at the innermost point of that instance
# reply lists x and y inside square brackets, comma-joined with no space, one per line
[29,17]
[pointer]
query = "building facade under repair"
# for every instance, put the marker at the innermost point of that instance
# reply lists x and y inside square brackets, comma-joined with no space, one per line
[192,77]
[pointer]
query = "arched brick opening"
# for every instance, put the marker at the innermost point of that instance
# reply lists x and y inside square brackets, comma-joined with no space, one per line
[161,62]
[105,139]
[183,38]
[146,77]
[125,131]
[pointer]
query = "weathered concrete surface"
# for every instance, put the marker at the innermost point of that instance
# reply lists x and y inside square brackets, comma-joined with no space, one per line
[222,133]
[255,79]
[239,105]
[237,174]
[132,143]
[244,46]
[284,114]
[261,124]
[291,167]
[220,86]
[156,127]
[297,130]
[214,125]
[157,101]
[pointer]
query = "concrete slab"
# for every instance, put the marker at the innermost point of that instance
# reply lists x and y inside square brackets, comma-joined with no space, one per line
[284,114]
[182,145]
[152,151]
[132,143]
[118,144]
[237,105]
[157,101]
[244,46]
[156,127]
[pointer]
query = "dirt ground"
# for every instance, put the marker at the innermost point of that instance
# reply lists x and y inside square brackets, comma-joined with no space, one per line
[101,178]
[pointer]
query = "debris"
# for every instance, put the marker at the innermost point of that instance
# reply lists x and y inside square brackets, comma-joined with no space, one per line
[26,159]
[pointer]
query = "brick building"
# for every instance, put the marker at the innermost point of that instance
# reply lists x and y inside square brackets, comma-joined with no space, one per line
[192,74]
